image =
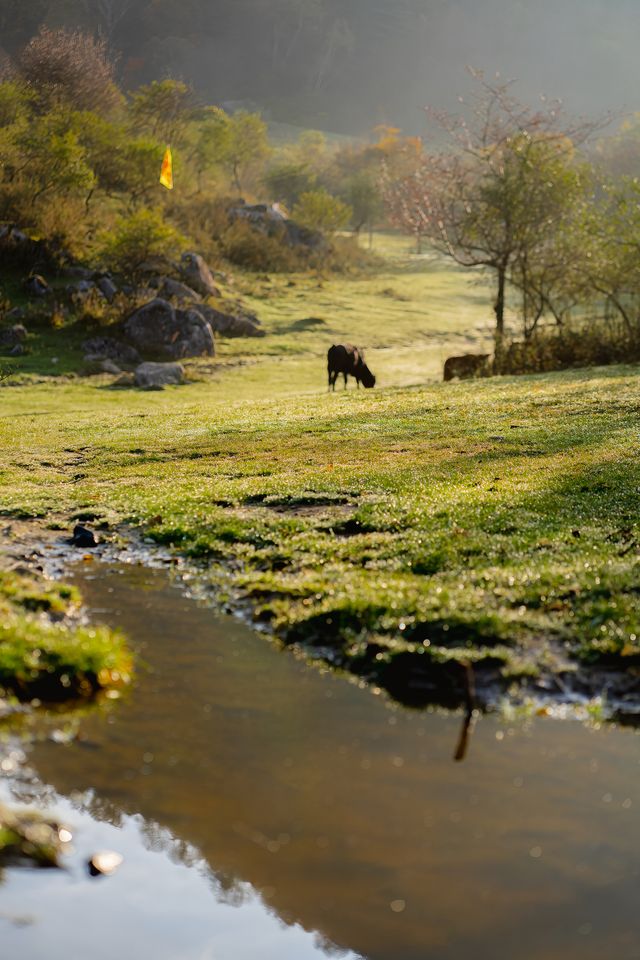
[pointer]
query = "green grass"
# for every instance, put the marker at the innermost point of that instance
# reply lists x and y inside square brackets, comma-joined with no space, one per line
[493,521]
[408,312]
[43,653]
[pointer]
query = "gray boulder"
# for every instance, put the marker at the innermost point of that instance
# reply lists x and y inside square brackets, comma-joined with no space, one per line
[80,289]
[198,275]
[94,365]
[13,337]
[107,288]
[270,220]
[109,366]
[107,348]
[158,331]
[37,286]
[154,376]
[79,273]
[229,325]
[169,289]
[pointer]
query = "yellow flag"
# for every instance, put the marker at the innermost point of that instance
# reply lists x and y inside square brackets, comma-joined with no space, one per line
[166,173]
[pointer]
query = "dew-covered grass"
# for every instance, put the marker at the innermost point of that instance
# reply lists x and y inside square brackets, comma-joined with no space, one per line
[44,652]
[494,519]
[489,518]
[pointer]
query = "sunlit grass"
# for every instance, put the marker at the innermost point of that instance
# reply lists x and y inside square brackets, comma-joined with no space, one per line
[489,516]
[45,654]
[495,518]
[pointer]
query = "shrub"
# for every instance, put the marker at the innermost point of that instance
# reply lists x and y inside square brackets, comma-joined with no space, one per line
[287,182]
[243,245]
[203,219]
[137,239]
[318,210]
[585,344]
[163,109]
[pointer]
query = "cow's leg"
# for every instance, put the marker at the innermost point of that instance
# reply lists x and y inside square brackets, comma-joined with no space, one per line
[345,380]
[357,383]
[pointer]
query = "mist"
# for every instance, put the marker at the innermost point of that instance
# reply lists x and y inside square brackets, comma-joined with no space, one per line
[347,65]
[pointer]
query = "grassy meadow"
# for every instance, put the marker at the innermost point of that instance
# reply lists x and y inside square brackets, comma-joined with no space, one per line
[408,311]
[397,531]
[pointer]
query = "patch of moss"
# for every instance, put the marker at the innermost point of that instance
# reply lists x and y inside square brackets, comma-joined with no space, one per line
[44,654]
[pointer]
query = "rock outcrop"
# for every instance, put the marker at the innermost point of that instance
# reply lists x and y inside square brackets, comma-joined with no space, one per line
[271,220]
[158,331]
[107,288]
[108,348]
[169,289]
[198,275]
[229,325]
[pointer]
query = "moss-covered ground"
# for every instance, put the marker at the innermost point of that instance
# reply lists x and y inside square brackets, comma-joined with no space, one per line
[401,530]
[44,651]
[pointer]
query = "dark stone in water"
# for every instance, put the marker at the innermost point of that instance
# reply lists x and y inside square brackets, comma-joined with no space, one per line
[82,537]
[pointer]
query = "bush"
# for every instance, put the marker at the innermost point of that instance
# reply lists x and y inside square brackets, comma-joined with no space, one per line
[287,182]
[203,219]
[243,245]
[586,344]
[137,239]
[318,210]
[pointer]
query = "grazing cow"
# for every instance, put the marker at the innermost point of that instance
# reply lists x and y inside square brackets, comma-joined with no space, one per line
[348,360]
[468,366]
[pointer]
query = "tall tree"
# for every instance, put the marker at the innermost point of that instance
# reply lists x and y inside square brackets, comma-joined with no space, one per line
[71,68]
[493,196]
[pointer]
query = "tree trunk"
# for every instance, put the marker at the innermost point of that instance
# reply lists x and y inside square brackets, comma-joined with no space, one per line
[623,313]
[236,177]
[499,304]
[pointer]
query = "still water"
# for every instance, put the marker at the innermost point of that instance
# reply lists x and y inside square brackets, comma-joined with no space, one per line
[269,810]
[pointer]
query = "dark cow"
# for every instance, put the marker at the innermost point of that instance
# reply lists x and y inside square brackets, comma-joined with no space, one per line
[467,366]
[348,360]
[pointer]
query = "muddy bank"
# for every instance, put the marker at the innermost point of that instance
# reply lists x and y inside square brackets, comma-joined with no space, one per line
[48,650]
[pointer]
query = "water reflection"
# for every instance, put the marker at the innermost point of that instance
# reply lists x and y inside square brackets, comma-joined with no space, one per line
[159,904]
[348,816]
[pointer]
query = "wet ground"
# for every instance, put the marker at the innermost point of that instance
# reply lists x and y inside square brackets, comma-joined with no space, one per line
[268,810]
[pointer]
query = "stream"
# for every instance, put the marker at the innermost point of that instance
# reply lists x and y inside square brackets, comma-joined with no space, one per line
[270,811]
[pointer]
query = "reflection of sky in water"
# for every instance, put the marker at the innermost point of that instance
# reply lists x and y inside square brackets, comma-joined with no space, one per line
[150,908]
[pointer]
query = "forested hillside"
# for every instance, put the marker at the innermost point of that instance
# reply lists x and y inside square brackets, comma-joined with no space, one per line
[348,64]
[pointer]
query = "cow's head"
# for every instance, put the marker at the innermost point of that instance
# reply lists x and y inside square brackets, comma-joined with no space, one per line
[367,378]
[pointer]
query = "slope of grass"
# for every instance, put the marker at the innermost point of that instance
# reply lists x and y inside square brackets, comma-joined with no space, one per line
[493,521]
[489,520]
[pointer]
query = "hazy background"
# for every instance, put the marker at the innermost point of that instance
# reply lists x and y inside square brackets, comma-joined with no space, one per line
[346,65]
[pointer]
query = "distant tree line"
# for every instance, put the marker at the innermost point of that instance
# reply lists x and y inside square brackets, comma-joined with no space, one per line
[295,55]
